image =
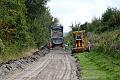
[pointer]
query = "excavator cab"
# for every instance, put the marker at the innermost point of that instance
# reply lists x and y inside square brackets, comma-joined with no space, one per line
[81,42]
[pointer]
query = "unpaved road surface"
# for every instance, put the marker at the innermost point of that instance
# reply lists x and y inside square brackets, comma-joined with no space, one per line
[57,65]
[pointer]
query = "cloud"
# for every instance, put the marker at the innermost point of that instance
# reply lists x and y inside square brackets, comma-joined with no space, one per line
[70,11]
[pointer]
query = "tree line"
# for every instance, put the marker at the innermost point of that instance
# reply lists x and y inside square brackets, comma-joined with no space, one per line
[107,22]
[23,24]
[104,32]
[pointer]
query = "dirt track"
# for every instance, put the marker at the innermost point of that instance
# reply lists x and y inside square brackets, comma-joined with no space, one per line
[57,65]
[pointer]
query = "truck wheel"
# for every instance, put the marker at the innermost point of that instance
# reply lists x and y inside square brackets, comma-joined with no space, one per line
[72,51]
[88,49]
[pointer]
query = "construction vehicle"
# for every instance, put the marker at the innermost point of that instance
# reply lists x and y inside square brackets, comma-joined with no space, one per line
[56,36]
[80,42]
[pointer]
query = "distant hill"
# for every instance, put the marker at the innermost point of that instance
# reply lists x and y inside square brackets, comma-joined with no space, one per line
[65,33]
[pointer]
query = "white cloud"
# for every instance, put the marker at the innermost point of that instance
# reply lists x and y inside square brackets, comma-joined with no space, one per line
[70,11]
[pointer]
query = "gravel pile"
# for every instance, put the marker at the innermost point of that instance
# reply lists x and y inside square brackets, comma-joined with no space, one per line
[12,65]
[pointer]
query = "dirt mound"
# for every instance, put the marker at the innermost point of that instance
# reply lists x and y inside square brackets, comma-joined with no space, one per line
[12,65]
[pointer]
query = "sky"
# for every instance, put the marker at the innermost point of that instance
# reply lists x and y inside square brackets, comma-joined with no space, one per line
[75,11]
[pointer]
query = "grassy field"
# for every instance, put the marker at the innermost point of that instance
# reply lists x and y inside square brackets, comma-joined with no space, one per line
[98,67]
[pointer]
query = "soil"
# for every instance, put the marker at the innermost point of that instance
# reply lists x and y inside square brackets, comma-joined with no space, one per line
[56,64]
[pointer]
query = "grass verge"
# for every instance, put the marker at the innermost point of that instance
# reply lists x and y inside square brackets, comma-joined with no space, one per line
[95,66]
[16,55]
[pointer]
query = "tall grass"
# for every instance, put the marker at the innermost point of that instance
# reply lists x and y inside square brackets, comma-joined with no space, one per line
[13,52]
[107,43]
[106,52]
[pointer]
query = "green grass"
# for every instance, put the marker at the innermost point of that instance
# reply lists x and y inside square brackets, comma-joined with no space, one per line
[10,56]
[98,67]
[16,54]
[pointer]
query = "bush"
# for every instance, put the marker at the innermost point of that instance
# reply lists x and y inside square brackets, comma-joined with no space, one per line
[107,43]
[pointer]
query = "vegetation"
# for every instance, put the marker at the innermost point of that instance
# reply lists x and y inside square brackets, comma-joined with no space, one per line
[24,24]
[97,66]
[105,44]
[104,32]
[90,70]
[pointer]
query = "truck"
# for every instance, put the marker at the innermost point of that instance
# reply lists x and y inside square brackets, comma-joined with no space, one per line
[57,38]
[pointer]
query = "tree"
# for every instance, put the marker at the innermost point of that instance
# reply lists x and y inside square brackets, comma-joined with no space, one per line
[24,23]
[111,18]
[13,22]
[39,20]
[55,21]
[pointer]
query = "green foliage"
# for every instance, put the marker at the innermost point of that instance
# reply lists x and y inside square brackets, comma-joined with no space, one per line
[111,17]
[107,43]
[23,24]
[13,21]
[105,32]
[76,27]
[56,21]
[69,39]
[39,20]
[108,22]
[2,46]
[35,8]
[40,29]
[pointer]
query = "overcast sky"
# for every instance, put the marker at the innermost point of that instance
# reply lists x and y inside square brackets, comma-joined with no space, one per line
[71,11]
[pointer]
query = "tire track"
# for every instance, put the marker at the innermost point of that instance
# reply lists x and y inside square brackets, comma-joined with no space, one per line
[61,73]
[30,72]
[54,66]
[68,71]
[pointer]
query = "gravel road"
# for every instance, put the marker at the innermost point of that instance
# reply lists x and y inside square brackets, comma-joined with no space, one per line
[57,65]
